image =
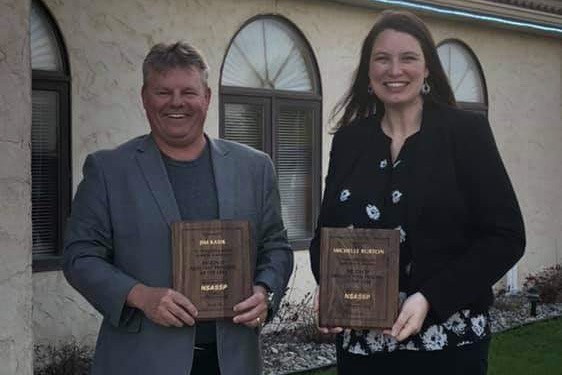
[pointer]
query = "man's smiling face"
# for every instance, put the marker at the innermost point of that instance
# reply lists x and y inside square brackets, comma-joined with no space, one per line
[176,103]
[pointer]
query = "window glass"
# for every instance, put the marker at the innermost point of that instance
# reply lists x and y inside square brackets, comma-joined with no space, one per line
[463,72]
[270,101]
[294,168]
[44,169]
[268,54]
[244,123]
[45,53]
[50,139]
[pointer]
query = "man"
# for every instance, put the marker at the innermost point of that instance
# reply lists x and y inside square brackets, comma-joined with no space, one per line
[117,246]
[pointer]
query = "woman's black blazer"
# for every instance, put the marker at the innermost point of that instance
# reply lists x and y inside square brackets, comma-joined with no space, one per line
[465,225]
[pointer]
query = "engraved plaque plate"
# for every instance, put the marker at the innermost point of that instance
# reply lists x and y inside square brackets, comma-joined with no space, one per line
[211,265]
[359,277]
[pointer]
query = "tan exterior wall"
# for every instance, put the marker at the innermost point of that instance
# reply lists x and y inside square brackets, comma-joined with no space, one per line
[15,190]
[107,41]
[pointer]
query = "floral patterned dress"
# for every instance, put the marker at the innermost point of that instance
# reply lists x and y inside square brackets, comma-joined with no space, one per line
[375,195]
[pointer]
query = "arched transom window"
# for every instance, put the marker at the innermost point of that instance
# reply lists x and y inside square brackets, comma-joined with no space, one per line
[270,100]
[269,54]
[465,75]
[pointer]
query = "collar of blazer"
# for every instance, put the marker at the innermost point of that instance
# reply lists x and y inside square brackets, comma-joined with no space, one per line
[152,166]
[147,144]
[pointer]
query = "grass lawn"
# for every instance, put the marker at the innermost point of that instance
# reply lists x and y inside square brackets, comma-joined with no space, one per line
[532,349]
[528,350]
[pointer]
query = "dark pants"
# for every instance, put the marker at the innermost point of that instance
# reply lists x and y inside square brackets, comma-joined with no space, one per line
[464,360]
[205,360]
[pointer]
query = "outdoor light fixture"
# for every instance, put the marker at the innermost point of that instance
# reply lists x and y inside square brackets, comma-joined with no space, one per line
[533,297]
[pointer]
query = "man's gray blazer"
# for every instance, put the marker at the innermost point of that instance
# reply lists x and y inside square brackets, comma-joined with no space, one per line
[119,234]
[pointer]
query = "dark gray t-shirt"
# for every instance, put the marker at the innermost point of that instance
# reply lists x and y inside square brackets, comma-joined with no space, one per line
[194,187]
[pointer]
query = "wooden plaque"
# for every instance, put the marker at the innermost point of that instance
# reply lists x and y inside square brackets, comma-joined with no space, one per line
[211,265]
[359,278]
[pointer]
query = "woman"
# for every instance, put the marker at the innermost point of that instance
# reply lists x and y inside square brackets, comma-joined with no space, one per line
[403,157]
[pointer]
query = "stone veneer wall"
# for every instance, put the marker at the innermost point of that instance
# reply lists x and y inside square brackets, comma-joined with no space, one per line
[107,41]
[15,190]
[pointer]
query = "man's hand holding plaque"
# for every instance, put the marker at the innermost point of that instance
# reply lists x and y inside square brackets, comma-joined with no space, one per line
[252,312]
[164,306]
[211,265]
[358,278]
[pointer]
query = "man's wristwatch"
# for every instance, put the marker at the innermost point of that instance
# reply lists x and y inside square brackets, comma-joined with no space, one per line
[270,300]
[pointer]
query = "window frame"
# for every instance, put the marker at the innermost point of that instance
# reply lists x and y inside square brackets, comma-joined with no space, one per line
[316,151]
[315,75]
[481,107]
[246,98]
[273,100]
[58,82]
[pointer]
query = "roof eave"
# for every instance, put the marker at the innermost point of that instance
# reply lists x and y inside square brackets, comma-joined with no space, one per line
[496,14]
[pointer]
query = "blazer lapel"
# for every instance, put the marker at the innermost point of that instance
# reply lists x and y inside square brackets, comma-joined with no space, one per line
[152,167]
[224,171]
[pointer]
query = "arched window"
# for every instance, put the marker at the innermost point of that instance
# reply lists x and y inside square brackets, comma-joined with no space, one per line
[50,138]
[465,75]
[271,100]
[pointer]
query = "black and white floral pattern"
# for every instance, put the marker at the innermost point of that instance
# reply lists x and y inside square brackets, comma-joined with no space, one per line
[462,328]
[402,233]
[344,195]
[380,200]
[434,338]
[396,195]
[478,324]
[383,164]
[373,212]
[456,324]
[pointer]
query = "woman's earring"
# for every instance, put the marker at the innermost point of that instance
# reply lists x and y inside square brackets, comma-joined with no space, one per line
[369,90]
[373,109]
[425,87]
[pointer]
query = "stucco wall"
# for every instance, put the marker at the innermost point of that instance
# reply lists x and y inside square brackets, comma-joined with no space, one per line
[15,190]
[60,314]
[107,41]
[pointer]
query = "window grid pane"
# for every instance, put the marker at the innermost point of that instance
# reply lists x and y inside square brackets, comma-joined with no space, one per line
[462,71]
[294,169]
[268,54]
[44,171]
[244,123]
[45,51]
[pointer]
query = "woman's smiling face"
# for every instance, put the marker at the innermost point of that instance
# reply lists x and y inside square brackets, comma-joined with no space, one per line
[397,68]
